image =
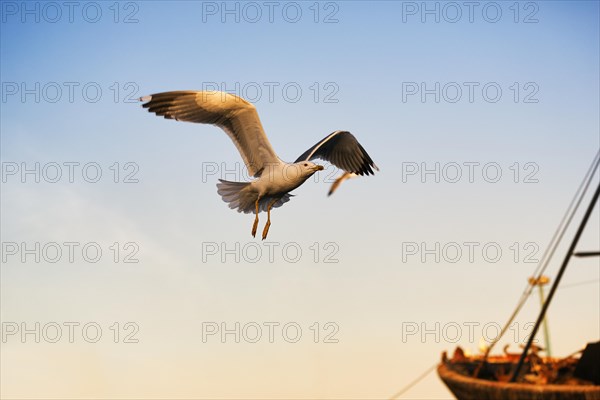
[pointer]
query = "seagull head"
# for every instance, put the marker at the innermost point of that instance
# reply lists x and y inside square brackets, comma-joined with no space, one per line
[295,174]
[301,170]
[308,168]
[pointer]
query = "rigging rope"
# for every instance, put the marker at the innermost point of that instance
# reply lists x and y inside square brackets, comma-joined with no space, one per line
[552,246]
[570,285]
[414,382]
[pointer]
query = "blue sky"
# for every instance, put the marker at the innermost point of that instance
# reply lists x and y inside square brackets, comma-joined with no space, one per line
[354,72]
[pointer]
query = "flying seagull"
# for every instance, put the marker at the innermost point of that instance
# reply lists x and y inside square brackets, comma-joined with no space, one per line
[275,177]
[345,176]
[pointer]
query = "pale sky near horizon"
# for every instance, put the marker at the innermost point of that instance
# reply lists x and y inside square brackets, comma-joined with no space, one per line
[483,123]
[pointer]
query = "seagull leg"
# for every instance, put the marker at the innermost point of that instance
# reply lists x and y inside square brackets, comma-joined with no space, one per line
[255,219]
[268,224]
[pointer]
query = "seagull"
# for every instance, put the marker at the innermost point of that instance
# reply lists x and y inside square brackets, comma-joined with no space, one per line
[275,178]
[345,176]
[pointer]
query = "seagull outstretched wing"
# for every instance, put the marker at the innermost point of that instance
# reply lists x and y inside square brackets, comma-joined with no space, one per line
[234,115]
[342,150]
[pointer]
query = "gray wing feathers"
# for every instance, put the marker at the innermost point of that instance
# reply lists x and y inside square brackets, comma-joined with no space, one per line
[234,115]
[342,150]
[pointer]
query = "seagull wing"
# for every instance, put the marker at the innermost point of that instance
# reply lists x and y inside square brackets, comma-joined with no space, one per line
[234,115]
[339,180]
[342,150]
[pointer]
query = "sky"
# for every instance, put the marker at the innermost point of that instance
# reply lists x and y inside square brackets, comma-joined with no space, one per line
[124,275]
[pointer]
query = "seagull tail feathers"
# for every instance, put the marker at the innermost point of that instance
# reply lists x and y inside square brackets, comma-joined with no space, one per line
[237,195]
[241,197]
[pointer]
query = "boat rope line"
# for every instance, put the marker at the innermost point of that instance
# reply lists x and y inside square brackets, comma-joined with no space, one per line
[414,382]
[549,252]
[575,284]
[562,226]
[580,229]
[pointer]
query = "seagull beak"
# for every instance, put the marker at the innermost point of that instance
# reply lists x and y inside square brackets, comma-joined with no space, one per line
[319,168]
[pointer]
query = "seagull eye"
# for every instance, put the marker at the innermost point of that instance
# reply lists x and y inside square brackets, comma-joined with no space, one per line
[305,164]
